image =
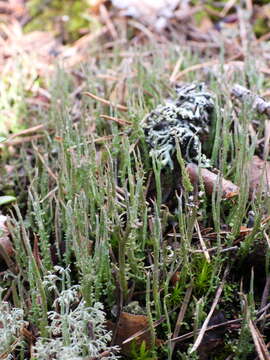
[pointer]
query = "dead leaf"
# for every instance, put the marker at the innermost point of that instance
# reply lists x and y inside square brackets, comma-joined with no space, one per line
[5,244]
[259,171]
[128,325]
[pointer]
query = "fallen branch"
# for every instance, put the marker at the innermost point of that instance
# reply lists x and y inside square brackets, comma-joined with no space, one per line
[246,96]
[210,180]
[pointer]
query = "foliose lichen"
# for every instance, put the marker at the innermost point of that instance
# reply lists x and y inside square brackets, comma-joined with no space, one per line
[184,120]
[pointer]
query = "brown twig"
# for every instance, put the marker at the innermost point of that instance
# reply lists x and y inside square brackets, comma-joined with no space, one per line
[105,102]
[119,121]
[22,140]
[210,180]
[259,343]
[246,96]
[26,131]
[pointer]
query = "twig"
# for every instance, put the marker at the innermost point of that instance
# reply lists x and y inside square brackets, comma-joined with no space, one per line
[215,249]
[105,102]
[259,343]
[106,17]
[210,180]
[206,321]
[26,131]
[119,121]
[213,327]
[257,102]
[22,140]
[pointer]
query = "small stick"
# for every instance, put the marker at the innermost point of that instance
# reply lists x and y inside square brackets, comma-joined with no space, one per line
[105,102]
[213,327]
[22,140]
[26,131]
[259,343]
[257,102]
[210,179]
[119,121]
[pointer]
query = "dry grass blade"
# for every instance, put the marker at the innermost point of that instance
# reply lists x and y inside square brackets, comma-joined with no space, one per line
[181,314]
[105,102]
[194,67]
[206,321]
[175,70]
[203,65]
[204,248]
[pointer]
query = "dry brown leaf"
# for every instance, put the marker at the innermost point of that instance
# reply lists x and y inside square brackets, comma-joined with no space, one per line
[259,171]
[5,243]
[128,325]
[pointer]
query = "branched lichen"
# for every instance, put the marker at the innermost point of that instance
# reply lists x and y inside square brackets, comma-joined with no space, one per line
[185,119]
[11,321]
[77,332]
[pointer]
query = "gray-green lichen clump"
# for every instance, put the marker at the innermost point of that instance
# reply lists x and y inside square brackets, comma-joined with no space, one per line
[185,119]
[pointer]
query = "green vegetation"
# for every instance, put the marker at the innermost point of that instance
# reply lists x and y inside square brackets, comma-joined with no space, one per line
[87,238]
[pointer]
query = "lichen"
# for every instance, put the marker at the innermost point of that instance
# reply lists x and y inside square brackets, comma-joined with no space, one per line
[185,119]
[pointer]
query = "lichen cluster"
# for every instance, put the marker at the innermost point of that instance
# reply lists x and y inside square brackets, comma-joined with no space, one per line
[184,120]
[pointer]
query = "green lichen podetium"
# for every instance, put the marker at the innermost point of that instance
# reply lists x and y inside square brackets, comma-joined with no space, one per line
[186,119]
